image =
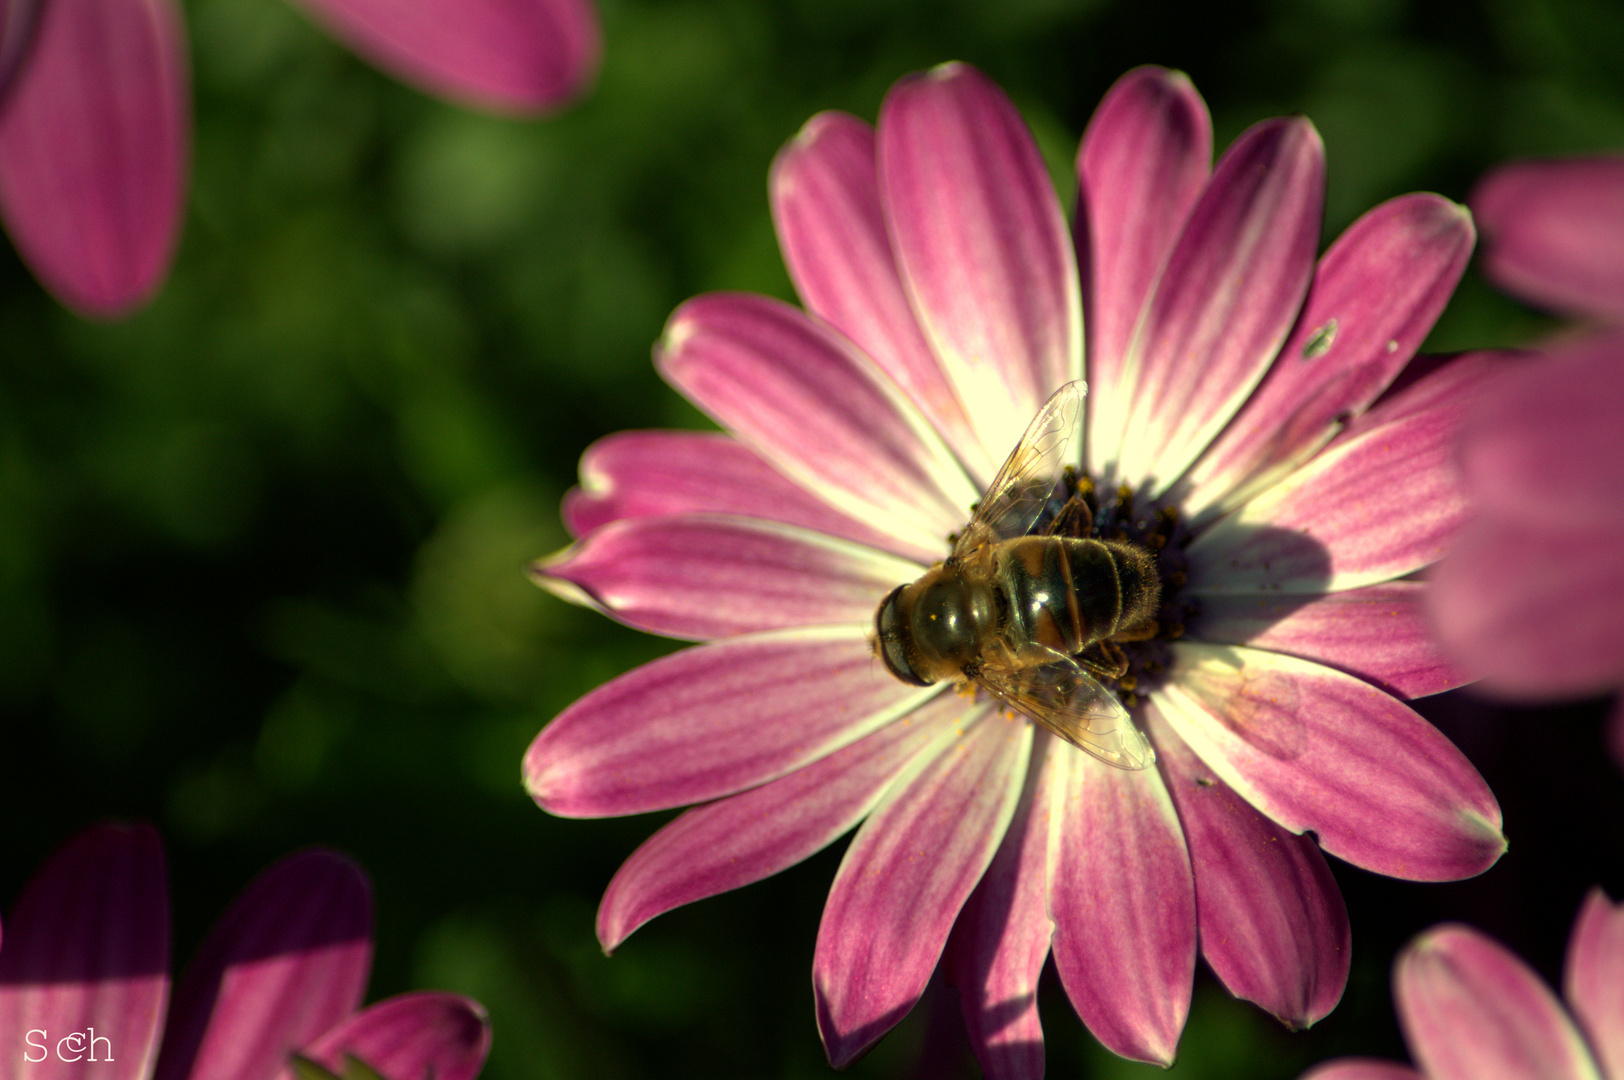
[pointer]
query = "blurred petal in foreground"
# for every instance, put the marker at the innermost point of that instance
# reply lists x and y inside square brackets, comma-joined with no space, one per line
[517,56]
[95,142]
[1471,1010]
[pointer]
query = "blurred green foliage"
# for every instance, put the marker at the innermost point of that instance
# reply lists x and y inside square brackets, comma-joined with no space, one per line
[261,546]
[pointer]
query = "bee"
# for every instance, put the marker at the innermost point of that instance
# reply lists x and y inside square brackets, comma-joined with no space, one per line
[1032,618]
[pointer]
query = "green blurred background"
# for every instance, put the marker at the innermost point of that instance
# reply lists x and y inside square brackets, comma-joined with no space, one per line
[261,546]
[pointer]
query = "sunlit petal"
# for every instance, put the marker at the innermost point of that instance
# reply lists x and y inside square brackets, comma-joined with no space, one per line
[1318,750]
[1002,936]
[982,245]
[1122,897]
[1142,164]
[738,840]
[712,720]
[819,411]
[905,876]
[634,474]
[1223,306]
[1376,294]
[708,576]
[1272,923]
[1382,501]
[1381,633]
[826,205]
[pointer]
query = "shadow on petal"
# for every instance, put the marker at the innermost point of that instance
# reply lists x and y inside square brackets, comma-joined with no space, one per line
[1282,570]
[1286,566]
[300,932]
[96,911]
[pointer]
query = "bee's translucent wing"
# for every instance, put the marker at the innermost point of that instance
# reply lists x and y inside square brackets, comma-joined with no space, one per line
[1075,706]
[1025,484]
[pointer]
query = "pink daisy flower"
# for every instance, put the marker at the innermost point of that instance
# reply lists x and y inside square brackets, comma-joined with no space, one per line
[1543,456]
[95,141]
[1471,1010]
[84,977]
[1236,426]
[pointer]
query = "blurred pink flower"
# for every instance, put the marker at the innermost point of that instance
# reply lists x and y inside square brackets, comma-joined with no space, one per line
[282,972]
[1230,380]
[1532,595]
[1551,233]
[95,134]
[1471,1010]
[514,56]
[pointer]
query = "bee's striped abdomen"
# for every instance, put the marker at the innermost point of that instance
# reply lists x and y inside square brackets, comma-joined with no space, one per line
[1046,606]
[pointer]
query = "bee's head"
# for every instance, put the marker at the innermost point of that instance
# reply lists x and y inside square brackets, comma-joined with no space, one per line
[890,629]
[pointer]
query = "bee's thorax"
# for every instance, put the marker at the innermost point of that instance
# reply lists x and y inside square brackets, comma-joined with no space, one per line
[949,616]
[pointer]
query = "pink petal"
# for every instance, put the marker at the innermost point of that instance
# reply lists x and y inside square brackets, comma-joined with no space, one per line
[1381,633]
[1002,936]
[731,843]
[819,411]
[1272,923]
[633,474]
[1546,443]
[1381,501]
[1361,1069]
[421,1036]
[982,244]
[1122,898]
[1431,382]
[1223,306]
[520,56]
[1313,748]
[905,877]
[87,951]
[1142,164]
[94,143]
[17,19]
[1376,294]
[712,720]
[288,960]
[1473,1011]
[1594,984]
[710,577]
[1550,628]
[1552,232]
[826,205]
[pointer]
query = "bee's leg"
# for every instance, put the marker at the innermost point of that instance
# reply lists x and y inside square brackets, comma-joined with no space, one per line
[1074,519]
[1112,662]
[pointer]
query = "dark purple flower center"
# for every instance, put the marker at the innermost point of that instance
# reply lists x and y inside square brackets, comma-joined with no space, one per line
[1160,531]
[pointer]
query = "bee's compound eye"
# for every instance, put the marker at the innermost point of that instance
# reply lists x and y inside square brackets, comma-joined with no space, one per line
[888,626]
